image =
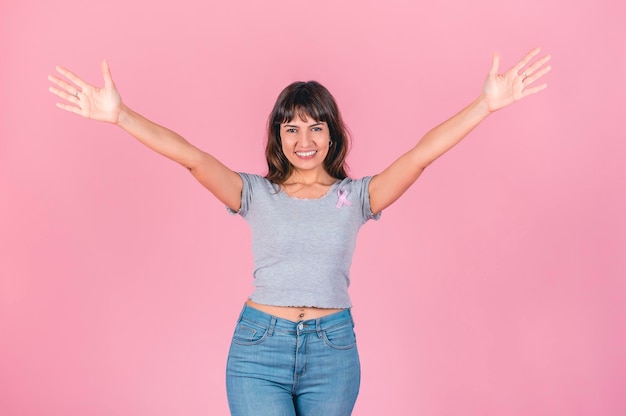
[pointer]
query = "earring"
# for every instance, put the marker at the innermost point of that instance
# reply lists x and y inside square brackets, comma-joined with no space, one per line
[330,143]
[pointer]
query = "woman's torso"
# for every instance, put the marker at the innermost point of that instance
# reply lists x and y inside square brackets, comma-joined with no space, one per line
[293,313]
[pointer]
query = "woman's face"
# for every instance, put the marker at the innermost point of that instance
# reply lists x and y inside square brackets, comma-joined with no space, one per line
[305,143]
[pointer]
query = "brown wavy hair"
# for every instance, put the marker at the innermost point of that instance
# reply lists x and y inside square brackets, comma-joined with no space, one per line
[306,99]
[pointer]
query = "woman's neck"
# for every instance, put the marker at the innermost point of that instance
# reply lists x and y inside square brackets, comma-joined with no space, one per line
[310,178]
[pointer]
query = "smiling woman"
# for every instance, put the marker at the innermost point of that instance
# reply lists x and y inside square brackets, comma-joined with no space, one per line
[294,350]
[309,110]
[305,143]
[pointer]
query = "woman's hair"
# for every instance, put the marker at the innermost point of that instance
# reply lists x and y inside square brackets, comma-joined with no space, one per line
[306,99]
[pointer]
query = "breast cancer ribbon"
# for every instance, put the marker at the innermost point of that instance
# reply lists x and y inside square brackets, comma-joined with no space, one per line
[343,195]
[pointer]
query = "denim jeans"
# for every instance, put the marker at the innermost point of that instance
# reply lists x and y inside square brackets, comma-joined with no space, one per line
[277,367]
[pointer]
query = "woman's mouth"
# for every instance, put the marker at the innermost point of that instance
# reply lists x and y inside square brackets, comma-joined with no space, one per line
[306,155]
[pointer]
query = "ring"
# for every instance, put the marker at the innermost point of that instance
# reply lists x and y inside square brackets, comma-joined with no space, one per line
[524,74]
[76,94]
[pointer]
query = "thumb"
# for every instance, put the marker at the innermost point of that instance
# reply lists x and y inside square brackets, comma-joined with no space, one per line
[495,63]
[106,74]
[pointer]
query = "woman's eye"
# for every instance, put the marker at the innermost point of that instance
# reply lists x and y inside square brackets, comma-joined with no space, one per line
[291,130]
[317,129]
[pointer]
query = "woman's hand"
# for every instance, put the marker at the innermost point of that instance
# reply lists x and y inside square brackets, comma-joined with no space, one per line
[501,90]
[102,104]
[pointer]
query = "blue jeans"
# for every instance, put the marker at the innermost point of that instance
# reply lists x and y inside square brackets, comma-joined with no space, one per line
[277,367]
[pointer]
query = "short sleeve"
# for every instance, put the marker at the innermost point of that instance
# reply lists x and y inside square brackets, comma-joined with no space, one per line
[246,195]
[363,185]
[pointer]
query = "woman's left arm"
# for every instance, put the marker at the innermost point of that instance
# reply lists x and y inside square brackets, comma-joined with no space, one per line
[499,91]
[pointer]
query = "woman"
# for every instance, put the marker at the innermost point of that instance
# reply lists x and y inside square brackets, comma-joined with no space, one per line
[293,351]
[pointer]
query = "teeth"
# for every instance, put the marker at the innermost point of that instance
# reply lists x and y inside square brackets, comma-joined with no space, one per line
[306,154]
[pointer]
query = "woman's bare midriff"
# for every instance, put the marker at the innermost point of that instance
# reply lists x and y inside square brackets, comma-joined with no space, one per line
[292,313]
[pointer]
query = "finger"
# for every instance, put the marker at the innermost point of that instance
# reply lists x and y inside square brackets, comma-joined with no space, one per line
[72,77]
[536,75]
[70,108]
[538,64]
[106,74]
[73,98]
[62,84]
[533,90]
[495,63]
[525,60]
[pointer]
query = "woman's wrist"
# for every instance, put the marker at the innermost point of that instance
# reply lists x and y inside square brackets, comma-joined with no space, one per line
[124,116]
[482,107]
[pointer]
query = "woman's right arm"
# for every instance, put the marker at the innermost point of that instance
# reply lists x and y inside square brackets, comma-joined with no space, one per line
[105,104]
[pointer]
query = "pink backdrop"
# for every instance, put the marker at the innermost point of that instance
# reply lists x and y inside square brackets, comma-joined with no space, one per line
[495,286]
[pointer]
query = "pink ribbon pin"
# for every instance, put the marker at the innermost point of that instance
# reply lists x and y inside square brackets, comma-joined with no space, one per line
[343,195]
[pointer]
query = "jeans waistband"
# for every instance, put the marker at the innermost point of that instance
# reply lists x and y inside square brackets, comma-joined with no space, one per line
[274,323]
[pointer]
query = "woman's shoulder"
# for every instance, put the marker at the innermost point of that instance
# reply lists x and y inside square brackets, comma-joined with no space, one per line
[354,182]
[255,181]
[252,177]
[355,186]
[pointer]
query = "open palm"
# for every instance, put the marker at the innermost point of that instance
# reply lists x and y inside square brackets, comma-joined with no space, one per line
[102,104]
[501,90]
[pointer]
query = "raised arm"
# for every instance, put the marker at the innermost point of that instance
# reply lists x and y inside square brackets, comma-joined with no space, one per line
[105,104]
[499,91]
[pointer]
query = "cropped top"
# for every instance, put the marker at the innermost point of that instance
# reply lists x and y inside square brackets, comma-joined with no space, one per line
[303,248]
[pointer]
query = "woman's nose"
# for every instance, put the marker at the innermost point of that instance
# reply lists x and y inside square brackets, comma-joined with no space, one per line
[306,138]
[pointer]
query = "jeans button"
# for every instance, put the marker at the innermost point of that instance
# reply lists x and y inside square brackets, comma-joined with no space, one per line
[300,326]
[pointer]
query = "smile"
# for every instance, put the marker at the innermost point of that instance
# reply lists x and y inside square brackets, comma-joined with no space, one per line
[306,154]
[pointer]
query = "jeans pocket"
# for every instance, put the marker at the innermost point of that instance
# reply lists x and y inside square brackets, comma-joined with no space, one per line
[340,338]
[249,333]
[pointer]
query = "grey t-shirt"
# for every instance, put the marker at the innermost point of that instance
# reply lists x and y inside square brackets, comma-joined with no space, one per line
[303,247]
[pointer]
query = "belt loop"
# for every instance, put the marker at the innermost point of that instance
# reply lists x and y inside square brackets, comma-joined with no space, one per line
[270,331]
[318,327]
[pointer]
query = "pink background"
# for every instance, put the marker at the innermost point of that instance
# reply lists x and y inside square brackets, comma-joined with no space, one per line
[495,286]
